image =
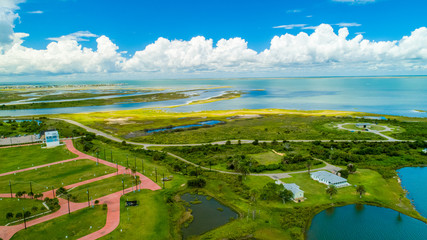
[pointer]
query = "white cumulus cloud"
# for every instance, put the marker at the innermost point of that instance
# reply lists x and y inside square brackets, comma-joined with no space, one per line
[322,50]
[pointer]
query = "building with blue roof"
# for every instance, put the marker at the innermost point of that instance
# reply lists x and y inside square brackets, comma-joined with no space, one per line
[329,179]
[298,194]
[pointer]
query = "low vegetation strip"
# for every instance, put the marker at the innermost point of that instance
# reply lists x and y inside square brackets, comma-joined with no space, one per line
[99,102]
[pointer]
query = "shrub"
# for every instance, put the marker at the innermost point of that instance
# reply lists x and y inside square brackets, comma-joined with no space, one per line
[344,173]
[198,182]
[34,209]
[19,215]
[9,215]
[96,202]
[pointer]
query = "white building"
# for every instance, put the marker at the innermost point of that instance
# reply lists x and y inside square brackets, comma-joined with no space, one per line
[51,138]
[329,179]
[363,125]
[298,194]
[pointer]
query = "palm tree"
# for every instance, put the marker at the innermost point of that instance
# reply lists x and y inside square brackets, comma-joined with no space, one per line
[361,190]
[309,164]
[331,190]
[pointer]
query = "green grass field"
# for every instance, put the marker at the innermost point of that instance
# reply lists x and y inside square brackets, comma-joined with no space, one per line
[73,226]
[378,190]
[102,188]
[24,157]
[262,124]
[56,175]
[144,164]
[149,220]
[14,205]
[266,158]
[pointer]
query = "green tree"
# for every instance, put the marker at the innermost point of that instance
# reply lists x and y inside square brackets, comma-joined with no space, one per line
[361,190]
[286,195]
[34,209]
[19,215]
[309,163]
[9,215]
[331,190]
[27,214]
[61,191]
[351,168]
[253,194]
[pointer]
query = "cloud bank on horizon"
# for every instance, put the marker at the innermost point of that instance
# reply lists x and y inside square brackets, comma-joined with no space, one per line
[323,49]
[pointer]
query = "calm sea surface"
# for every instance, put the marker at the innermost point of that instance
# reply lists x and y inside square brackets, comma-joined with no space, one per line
[382,95]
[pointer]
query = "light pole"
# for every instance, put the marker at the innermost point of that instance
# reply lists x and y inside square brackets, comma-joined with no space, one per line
[88,199]
[127,160]
[97,156]
[156,174]
[142,165]
[111,155]
[53,192]
[123,183]
[117,166]
[31,188]
[163,180]
[135,163]
[68,203]
[25,222]
[10,186]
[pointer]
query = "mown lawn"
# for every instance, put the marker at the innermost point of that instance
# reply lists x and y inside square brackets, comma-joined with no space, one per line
[58,175]
[266,158]
[102,188]
[148,220]
[73,226]
[144,164]
[14,205]
[24,157]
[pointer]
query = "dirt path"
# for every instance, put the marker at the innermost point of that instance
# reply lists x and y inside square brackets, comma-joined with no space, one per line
[112,200]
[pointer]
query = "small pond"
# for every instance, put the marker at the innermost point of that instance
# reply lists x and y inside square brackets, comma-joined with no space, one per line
[354,222]
[208,214]
[200,124]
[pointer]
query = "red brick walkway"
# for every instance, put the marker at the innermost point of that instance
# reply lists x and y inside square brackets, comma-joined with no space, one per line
[112,200]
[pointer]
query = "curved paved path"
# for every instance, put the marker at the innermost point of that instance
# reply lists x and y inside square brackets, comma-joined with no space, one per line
[328,167]
[112,200]
[377,132]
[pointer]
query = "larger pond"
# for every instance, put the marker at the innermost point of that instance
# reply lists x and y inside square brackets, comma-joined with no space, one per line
[354,222]
[208,214]
[414,180]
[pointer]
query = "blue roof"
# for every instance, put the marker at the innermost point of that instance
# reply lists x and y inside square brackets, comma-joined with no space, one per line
[329,177]
[292,187]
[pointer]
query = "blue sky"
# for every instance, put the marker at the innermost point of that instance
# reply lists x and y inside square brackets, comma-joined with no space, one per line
[133,24]
[254,34]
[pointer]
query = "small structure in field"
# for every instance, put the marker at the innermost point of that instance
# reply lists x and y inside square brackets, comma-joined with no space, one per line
[131,203]
[329,179]
[298,194]
[363,125]
[51,138]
